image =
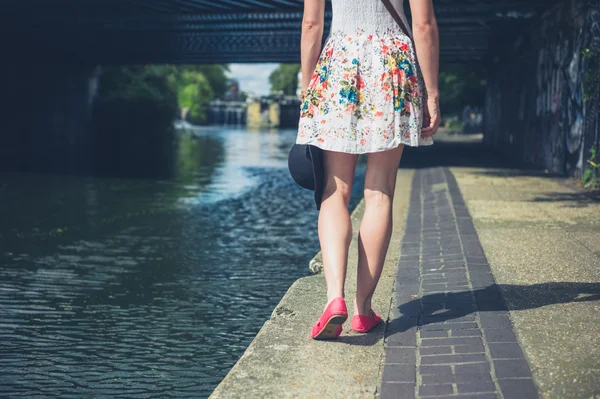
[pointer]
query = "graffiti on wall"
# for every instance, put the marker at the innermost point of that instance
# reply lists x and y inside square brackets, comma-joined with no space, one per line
[561,69]
[556,127]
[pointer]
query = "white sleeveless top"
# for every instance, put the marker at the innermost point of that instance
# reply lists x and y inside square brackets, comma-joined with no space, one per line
[368,14]
[366,92]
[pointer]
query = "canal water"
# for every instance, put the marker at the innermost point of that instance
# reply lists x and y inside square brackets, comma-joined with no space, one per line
[150,288]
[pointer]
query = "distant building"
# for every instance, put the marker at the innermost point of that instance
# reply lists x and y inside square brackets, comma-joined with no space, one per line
[233,90]
[299,88]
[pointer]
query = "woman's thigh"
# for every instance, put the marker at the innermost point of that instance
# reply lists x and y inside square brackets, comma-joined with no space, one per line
[339,173]
[382,168]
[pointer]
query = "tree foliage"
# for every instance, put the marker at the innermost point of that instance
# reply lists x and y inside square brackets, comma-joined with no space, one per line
[461,85]
[136,105]
[285,78]
[194,92]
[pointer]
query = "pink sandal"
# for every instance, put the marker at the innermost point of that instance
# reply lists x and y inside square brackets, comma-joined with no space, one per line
[330,323]
[364,323]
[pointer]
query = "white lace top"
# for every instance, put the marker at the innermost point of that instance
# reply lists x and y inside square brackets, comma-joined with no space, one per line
[367,14]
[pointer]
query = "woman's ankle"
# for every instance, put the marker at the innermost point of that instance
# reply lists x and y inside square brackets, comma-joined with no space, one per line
[362,307]
[333,295]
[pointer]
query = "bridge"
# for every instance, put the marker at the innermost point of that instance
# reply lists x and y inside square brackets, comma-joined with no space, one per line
[201,31]
[542,93]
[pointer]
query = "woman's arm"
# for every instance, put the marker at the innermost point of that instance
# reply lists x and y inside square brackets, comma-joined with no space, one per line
[427,43]
[313,23]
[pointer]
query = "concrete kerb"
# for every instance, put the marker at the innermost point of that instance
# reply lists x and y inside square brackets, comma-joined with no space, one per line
[282,361]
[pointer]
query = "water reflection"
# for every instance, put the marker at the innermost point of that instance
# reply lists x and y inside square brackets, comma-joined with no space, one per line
[119,287]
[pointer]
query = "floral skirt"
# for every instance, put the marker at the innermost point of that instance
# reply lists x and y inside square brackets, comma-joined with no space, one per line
[365,95]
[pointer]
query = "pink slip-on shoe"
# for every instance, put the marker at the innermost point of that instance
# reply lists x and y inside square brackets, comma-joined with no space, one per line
[330,323]
[364,323]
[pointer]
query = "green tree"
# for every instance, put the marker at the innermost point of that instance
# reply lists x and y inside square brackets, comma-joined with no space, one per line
[461,85]
[215,74]
[194,93]
[285,78]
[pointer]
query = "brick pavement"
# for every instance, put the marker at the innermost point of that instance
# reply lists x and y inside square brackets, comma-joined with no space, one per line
[449,335]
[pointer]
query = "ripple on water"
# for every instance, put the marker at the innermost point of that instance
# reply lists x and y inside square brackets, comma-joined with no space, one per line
[150,298]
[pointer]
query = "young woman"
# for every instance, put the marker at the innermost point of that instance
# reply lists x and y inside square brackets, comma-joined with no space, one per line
[364,93]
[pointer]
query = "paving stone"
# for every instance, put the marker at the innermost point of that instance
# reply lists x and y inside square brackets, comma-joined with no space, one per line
[458,308]
[449,326]
[465,333]
[487,294]
[441,287]
[458,284]
[407,294]
[452,341]
[506,350]
[399,373]
[427,264]
[469,349]
[474,368]
[402,332]
[500,335]
[435,390]
[476,259]
[401,355]
[437,310]
[431,278]
[453,359]
[460,297]
[476,386]
[402,282]
[434,298]
[455,378]
[434,334]
[409,263]
[443,319]
[410,309]
[515,368]
[425,369]
[518,388]
[494,305]
[470,396]
[482,282]
[491,320]
[390,390]
[436,350]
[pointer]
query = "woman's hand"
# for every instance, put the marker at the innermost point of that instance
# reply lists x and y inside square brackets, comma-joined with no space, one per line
[427,43]
[431,117]
[303,94]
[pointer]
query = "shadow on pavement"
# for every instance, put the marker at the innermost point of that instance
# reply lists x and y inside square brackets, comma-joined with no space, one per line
[441,307]
[578,199]
[445,152]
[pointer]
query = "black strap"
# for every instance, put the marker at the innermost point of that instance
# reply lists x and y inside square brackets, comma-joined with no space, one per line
[396,16]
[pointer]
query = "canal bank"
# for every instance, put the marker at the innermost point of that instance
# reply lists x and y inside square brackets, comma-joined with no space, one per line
[490,290]
[282,360]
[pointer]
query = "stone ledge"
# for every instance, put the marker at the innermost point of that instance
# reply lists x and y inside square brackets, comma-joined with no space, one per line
[282,361]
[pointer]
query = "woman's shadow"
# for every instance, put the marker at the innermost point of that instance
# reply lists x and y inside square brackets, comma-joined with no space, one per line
[442,307]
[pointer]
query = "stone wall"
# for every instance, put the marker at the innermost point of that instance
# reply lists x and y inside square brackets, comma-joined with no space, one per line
[535,108]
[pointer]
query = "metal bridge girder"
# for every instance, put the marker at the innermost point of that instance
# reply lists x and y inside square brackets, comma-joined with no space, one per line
[178,31]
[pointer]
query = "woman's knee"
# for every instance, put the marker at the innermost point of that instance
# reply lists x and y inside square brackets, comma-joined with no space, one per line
[378,197]
[338,189]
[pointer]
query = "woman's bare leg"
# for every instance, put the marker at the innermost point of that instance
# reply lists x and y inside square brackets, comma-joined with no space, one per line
[376,225]
[335,227]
